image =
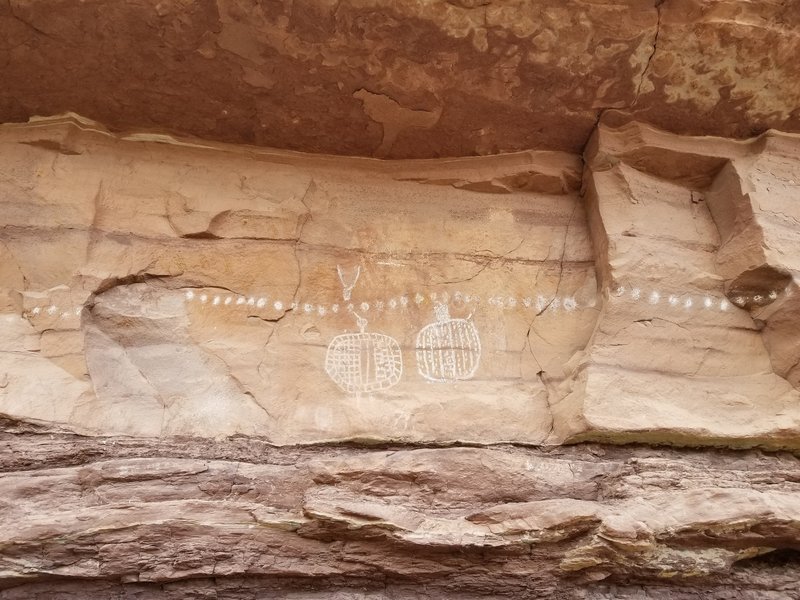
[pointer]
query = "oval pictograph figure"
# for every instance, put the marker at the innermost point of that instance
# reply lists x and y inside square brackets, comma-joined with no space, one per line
[448,350]
[364,362]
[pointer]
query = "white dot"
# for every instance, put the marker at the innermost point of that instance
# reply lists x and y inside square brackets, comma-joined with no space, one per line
[707,302]
[636,293]
[335,308]
[240,300]
[36,310]
[512,302]
[216,300]
[251,301]
[189,295]
[724,305]
[350,307]
[540,303]
[619,291]
[687,303]
[527,302]
[278,305]
[78,310]
[738,301]
[364,306]
[403,300]
[654,297]
[555,303]
[51,310]
[458,297]
[445,297]
[228,300]
[419,298]
[758,298]
[570,304]
[379,305]
[321,310]
[433,296]
[294,305]
[773,294]
[262,302]
[308,307]
[673,300]
[64,315]
[203,298]
[392,303]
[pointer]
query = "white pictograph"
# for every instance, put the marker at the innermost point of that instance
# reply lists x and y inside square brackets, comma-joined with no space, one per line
[419,300]
[347,288]
[448,350]
[362,363]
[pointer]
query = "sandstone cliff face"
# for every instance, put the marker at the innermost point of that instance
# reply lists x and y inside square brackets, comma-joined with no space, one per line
[302,300]
[231,372]
[311,299]
[410,78]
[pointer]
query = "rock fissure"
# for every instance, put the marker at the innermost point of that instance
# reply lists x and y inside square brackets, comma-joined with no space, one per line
[658,7]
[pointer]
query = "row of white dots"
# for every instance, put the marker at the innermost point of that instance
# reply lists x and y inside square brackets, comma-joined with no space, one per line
[709,302]
[54,311]
[675,300]
[539,303]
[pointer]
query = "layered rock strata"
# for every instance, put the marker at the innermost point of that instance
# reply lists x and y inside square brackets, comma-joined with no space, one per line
[231,372]
[130,518]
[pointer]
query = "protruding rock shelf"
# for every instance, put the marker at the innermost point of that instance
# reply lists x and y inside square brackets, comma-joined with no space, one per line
[126,517]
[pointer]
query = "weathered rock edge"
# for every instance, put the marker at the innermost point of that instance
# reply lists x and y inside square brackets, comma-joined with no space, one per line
[409,79]
[117,517]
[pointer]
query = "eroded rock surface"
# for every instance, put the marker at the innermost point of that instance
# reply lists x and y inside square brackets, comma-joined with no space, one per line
[685,347]
[404,78]
[302,299]
[241,519]
[483,300]
[186,329]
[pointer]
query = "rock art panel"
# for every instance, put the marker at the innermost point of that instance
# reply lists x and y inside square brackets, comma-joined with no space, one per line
[310,299]
[212,291]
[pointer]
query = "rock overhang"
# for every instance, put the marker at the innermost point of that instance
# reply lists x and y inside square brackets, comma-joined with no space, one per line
[404,79]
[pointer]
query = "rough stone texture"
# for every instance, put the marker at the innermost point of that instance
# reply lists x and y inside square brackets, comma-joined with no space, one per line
[169,408]
[678,224]
[127,260]
[104,238]
[138,518]
[404,78]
